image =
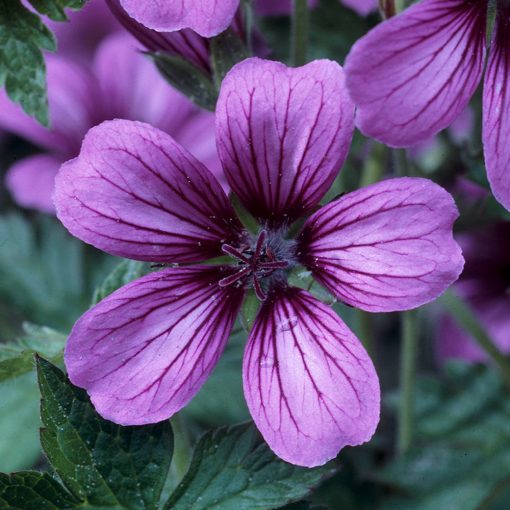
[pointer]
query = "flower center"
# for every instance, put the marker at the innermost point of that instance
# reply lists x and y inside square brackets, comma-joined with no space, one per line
[254,264]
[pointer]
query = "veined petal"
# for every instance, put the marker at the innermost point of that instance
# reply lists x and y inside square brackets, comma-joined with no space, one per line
[134,192]
[309,383]
[31,181]
[496,109]
[144,351]
[283,134]
[412,75]
[206,17]
[385,247]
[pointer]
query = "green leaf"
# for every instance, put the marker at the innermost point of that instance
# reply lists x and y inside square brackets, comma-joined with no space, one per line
[232,469]
[17,358]
[462,453]
[46,274]
[125,272]
[22,68]
[100,462]
[55,8]
[227,49]
[31,490]
[19,423]
[186,78]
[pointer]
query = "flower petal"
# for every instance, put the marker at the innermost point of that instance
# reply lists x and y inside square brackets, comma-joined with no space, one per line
[206,17]
[496,110]
[412,75]
[31,182]
[362,7]
[136,193]
[283,134]
[385,247]
[145,351]
[309,383]
[75,104]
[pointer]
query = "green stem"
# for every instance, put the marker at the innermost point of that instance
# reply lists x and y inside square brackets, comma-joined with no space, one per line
[373,167]
[248,22]
[465,317]
[183,450]
[401,163]
[300,21]
[365,326]
[408,358]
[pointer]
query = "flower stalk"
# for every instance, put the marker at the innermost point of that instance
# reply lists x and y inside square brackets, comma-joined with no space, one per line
[300,32]
[408,358]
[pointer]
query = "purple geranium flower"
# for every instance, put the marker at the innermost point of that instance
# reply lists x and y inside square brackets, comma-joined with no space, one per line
[206,17]
[412,75]
[283,134]
[485,285]
[79,98]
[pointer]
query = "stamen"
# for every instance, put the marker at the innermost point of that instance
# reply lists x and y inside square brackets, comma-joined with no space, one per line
[233,252]
[233,278]
[258,290]
[258,248]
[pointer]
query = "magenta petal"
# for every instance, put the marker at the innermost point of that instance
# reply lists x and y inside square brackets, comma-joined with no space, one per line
[143,352]
[496,110]
[206,17]
[283,134]
[309,383]
[362,7]
[385,247]
[278,7]
[134,192]
[31,182]
[412,75]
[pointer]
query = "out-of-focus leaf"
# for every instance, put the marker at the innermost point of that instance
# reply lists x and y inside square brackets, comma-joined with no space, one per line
[227,49]
[19,423]
[125,272]
[55,8]
[22,68]
[30,490]
[17,358]
[45,273]
[100,462]
[233,470]
[186,78]
[462,452]
[221,400]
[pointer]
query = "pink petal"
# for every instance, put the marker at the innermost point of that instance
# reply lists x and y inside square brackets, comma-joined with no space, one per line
[283,134]
[145,351]
[496,110]
[75,104]
[310,385]
[278,7]
[362,7]
[134,192]
[412,75]
[206,17]
[385,247]
[31,181]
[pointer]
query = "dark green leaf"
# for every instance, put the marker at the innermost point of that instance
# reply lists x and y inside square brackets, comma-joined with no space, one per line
[31,490]
[462,455]
[232,469]
[17,358]
[55,8]
[99,461]
[227,49]
[19,423]
[125,272]
[22,68]
[186,78]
